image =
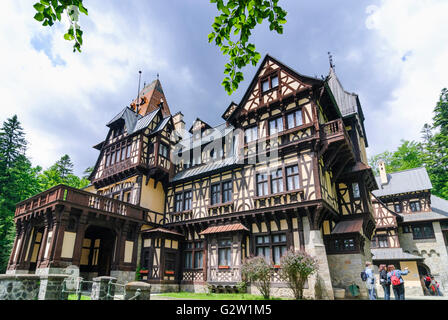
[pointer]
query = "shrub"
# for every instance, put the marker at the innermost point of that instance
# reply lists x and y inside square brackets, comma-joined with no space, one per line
[259,272]
[242,287]
[296,267]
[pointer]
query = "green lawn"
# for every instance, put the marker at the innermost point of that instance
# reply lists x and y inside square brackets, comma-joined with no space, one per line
[214,296]
[75,297]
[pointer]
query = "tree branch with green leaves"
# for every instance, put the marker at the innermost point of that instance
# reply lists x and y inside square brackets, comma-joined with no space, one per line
[48,11]
[233,28]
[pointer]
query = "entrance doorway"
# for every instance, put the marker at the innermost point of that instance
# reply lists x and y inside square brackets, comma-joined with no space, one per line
[97,251]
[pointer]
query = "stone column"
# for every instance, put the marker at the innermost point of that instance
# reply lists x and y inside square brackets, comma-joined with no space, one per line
[320,283]
[143,288]
[100,288]
[51,286]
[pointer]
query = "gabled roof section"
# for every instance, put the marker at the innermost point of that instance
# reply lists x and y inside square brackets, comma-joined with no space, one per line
[150,98]
[204,125]
[348,103]
[130,119]
[230,109]
[403,182]
[264,69]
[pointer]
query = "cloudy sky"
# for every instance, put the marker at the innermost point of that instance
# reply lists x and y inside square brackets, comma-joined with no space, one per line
[394,54]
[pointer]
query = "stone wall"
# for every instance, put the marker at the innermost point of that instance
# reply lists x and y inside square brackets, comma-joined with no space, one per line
[196,288]
[19,287]
[320,283]
[123,276]
[161,288]
[433,251]
[345,270]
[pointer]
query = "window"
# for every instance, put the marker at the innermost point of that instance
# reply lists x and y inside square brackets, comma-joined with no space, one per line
[262,184]
[423,231]
[178,202]
[123,153]
[107,160]
[277,181]
[355,188]
[263,247]
[265,85]
[294,119]
[251,134]
[187,200]
[415,206]
[188,262]
[215,194]
[275,126]
[170,261]
[278,247]
[224,252]
[128,151]
[274,82]
[292,177]
[397,207]
[198,255]
[407,229]
[163,150]
[227,191]
[344,244]
[112,158]
[382,241]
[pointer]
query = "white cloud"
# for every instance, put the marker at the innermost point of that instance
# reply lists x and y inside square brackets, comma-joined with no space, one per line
[411,41]
[49,97]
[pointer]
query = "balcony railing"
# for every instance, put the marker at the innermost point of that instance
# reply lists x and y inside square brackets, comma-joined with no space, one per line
[333,129]
[76,197]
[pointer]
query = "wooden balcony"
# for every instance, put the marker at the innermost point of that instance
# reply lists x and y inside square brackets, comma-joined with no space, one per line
[65,195]
[336,147]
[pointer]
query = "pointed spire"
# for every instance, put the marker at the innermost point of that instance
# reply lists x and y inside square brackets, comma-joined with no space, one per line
[330,58]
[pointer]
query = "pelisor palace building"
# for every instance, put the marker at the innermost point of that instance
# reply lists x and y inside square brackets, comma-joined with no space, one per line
[287,169]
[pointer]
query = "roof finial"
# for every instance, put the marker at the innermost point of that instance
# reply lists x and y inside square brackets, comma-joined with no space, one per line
[330,58]
[138,93]
[157,76]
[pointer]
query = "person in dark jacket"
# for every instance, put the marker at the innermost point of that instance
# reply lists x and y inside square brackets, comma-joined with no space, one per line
[384,282]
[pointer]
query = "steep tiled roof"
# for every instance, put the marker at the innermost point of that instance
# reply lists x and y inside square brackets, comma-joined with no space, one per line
[346,101]
[205,168]
[404,181]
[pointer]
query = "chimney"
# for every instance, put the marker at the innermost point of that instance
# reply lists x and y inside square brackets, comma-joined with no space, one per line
[383,173]
[179,124]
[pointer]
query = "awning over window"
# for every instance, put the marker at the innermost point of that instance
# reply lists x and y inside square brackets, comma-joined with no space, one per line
[224,228]
[348,226]
[162,230]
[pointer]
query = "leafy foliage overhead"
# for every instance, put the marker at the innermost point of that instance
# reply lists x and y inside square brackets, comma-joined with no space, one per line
[232,29]
[48,11]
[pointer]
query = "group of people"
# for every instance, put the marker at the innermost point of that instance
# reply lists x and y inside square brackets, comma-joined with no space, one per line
[431,286]
[389,276]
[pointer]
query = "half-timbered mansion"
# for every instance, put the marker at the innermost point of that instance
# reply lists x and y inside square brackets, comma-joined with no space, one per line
[411,227]
[287,169]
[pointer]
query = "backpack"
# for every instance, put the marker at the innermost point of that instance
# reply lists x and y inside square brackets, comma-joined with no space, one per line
[363,276]
[395,280]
